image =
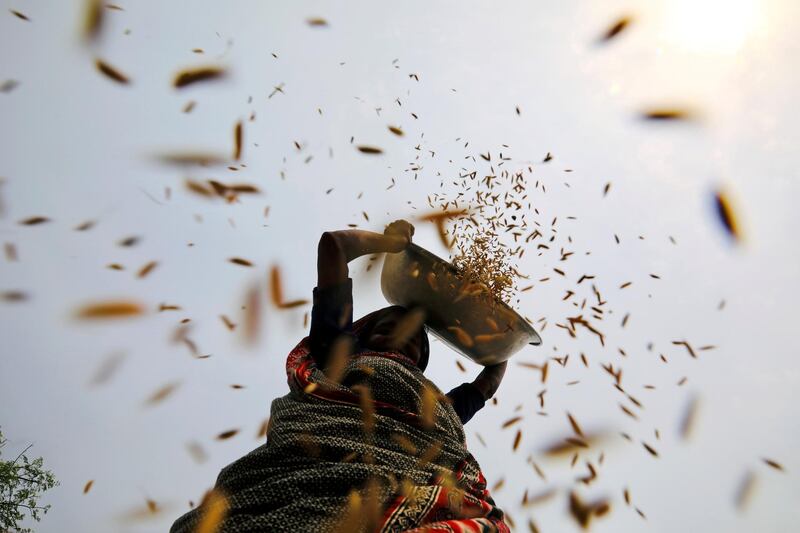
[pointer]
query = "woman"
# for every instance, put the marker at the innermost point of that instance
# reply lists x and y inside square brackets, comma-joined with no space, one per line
[363,441]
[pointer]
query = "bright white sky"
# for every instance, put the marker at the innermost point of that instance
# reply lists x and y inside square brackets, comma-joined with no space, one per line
[76,146]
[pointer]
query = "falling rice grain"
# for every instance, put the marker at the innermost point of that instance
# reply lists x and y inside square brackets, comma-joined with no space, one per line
[8,86]
[111,72]
[650,449]
[369,150]
[241,262]
[162,393]
[462,336]
[93,19]
[237,141]
[615,29]
[263,429]
[189,158]
[19,15]
[744,491]
[196,75]
[227,321]
[666,114]
[575,427]
[128,242]
[227,434]
[85,226]
[197,452]
[408,326]
[109,309]
[215,508]
[146,269]
[34,221]
[276,288]
[428,407]
[726,215]
[11,252]
[492,337]
[689,416]
[430,454]
[405,443]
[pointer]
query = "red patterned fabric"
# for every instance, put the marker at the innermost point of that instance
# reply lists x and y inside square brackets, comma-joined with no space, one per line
[442,508]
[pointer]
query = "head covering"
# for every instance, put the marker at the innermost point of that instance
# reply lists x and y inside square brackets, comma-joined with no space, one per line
[363,327]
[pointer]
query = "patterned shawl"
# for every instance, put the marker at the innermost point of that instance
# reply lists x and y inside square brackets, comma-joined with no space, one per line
[380,451]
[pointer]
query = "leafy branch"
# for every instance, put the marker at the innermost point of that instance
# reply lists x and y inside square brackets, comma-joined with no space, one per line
[21,486]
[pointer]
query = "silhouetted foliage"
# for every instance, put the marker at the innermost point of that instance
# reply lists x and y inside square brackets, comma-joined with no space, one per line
[22,482]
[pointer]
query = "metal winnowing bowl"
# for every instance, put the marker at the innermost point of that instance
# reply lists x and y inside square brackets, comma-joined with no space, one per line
[461,314]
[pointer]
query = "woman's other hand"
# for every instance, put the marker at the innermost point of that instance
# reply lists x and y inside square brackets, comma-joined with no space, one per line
[488,381]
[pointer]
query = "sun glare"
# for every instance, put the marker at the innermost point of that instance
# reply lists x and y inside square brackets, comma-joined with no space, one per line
[710,26]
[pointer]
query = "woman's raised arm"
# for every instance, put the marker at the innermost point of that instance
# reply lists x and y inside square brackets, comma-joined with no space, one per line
[337,248]
[332,313]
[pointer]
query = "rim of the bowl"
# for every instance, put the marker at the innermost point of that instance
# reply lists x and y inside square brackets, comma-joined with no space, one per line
[417,249]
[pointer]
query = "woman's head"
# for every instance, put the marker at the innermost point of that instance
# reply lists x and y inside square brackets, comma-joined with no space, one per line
[395,329]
